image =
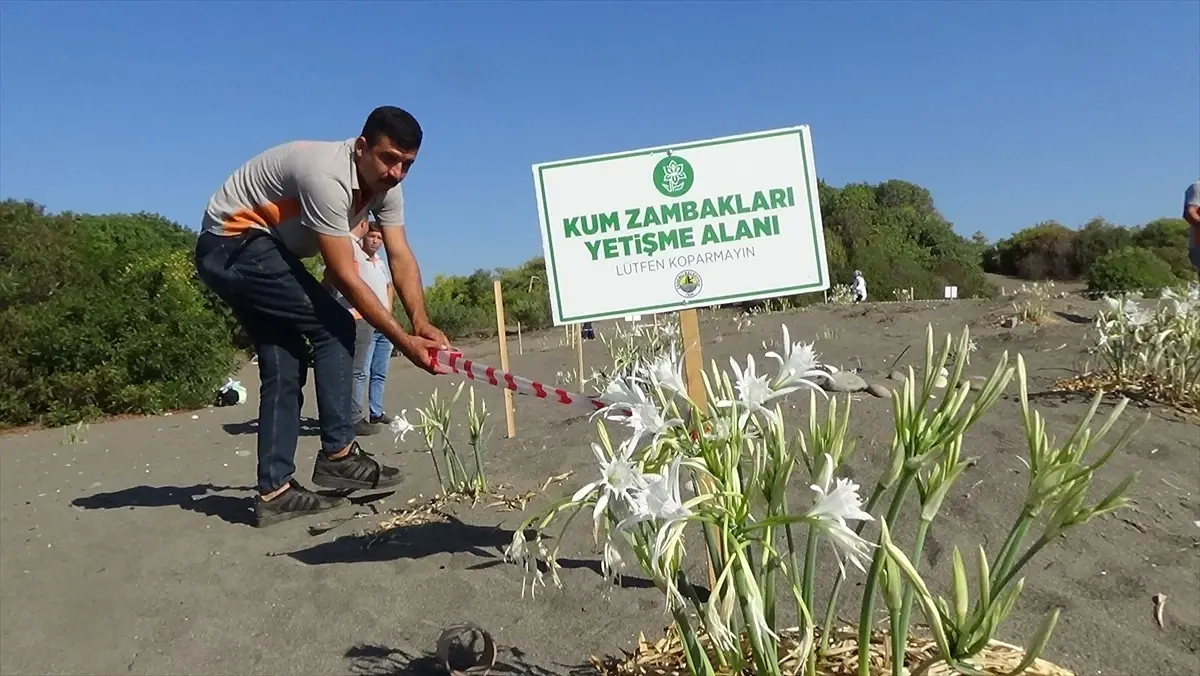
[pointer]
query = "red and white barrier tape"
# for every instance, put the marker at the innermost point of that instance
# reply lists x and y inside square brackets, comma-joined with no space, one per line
[454,362]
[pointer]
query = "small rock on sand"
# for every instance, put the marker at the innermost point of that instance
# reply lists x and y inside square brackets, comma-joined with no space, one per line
[844,381]
[879,391]
[897,376]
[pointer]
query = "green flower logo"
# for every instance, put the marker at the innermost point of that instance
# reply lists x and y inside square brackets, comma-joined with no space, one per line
[673,176]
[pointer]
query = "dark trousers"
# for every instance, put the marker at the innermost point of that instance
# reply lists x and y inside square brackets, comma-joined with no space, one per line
[280,304]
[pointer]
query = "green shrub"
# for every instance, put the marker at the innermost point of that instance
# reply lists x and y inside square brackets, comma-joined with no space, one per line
[1129,268]
[103,315]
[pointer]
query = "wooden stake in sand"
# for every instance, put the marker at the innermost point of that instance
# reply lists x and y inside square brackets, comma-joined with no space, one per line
[579,347]
[502,336]
[520,345]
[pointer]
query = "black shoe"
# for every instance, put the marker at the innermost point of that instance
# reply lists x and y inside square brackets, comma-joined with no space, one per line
[295,501]
[381,419]
[356,470]
[364,428]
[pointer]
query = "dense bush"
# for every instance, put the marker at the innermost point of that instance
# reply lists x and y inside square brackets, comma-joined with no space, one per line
[1053,251]
[1128,268]
[103,315]
[464,306]
[895,235]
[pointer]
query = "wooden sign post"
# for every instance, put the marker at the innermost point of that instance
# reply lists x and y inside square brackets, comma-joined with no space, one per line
[693,378]
[693,357]
[502,336]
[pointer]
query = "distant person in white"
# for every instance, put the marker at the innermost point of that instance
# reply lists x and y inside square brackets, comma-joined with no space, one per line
[1191,214]
[859,287]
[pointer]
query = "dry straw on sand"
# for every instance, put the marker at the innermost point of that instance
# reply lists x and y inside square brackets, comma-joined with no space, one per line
[665,657]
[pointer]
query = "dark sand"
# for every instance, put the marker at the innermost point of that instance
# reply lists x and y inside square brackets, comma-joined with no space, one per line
[128,551]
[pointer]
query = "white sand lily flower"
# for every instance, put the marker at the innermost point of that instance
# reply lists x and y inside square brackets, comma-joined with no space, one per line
[666,373]
[620,396]
[659,500]
[835,504]
[612,564]
[754,392]
[797,366]
[647,421]
[519,552]
[619,477]
[401,426]
[1138,316]
[718,614]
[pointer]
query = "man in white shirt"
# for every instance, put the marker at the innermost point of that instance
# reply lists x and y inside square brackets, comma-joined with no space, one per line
[859,287]
[372,349]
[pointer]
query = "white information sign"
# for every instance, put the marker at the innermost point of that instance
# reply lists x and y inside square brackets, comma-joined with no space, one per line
[683,226]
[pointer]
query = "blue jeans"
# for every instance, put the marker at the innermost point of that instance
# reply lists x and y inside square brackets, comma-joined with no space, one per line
[283,309]
[373,355]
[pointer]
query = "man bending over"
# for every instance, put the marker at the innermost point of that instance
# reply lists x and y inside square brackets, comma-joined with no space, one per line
[294,201]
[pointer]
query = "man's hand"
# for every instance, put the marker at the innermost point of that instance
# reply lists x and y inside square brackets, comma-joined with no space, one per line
[417,350]
[430,332]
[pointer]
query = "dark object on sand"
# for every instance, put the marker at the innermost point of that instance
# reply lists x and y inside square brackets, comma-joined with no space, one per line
[589,331]
[466,650]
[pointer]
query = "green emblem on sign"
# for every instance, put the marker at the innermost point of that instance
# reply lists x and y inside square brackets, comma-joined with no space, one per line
[688,283]
[673,176]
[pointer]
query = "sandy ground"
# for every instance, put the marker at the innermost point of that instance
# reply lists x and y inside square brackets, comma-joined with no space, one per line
[125,546]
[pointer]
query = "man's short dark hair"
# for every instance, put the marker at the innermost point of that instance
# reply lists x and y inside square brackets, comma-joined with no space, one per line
[374,226]
[397,124]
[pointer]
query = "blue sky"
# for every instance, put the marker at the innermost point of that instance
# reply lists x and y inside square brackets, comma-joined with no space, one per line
[1009,112]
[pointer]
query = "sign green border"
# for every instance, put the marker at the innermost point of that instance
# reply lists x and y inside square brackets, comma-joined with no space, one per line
[552,268]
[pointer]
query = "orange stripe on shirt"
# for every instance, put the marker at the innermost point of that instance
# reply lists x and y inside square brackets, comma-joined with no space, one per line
[266,215]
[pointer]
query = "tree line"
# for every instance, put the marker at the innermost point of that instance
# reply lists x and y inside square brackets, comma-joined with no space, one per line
[1108,257]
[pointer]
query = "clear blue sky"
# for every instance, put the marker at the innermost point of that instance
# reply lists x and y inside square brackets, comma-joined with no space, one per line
[1009,112]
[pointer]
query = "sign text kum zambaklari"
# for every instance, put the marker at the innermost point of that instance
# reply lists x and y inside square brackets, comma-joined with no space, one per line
[690,225]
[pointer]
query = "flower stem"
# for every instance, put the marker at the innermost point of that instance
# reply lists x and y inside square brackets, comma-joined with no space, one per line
[770,565]
[866,615]
[697,660]
[1016,568]
[831,606]
[480,480]
[1007,552]
[810,570]
[765,660]
[900,623]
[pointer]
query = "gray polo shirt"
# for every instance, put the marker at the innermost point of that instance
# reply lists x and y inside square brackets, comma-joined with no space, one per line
[296,190]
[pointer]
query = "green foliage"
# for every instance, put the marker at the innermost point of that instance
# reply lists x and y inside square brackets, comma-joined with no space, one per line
[1130,268]
[1096,238]
[1044,251]
[895,235]
[1052,251]
[103,315]
[464,306]
[1163,232]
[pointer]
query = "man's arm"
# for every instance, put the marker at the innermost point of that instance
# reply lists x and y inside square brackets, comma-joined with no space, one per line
[406,274]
